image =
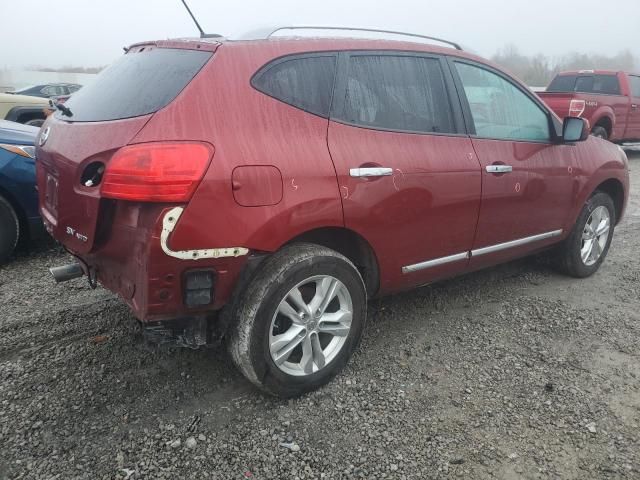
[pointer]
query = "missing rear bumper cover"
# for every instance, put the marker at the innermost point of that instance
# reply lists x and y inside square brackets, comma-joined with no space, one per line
[168,224]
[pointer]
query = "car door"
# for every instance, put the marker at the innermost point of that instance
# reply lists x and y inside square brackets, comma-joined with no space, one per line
[407,172]
[527,179]
[633,123]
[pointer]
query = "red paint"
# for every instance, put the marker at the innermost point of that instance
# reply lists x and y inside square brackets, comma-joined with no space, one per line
[279,172]
[427,209]
[257,185]
[620,114]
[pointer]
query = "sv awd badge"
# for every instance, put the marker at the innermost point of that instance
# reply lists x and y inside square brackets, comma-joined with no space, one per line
[74,233]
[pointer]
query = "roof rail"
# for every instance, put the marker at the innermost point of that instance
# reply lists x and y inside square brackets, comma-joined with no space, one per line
[265,33]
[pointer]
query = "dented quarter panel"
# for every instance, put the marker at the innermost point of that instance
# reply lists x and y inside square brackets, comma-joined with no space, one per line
[247,127]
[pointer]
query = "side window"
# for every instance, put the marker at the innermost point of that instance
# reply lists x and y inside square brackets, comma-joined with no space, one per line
[305,83]
[403,93]
[635,86]
[607,84]
[584,84]
[499,109]
[48,91]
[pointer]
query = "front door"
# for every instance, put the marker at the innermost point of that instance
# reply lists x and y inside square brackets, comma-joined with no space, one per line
[409,178]
[633,122]
[527,181]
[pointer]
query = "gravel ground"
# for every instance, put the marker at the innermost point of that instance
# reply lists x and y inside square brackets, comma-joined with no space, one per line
[512,372]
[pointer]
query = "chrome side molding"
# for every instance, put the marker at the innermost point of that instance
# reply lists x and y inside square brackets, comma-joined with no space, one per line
[479,251]
[515,243]
[435,262]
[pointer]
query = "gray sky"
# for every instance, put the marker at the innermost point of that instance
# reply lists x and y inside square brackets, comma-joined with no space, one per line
[93,32]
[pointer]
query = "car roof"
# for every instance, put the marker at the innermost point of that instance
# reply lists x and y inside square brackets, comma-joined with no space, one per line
[301,44]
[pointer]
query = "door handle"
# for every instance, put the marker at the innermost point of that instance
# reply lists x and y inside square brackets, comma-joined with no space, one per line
[499,168]
[634,105]
[371,172]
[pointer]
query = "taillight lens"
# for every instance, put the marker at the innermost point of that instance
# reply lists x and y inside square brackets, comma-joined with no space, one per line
[576,108]
[156,172]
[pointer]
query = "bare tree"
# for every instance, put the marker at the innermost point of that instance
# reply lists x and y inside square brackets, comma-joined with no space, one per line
[538,70]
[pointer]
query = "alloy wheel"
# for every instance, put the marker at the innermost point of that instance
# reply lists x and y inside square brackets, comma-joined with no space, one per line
[595,235]
[310,325]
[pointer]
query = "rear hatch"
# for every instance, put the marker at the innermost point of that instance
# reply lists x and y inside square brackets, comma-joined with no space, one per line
[75,148]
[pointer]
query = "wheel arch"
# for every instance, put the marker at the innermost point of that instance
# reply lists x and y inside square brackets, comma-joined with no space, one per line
[614,188]
[350,244]
[605,120]
[20,213]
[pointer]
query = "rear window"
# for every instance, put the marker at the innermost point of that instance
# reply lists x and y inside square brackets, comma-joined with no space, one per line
[137,84]
[303,82]
[562,83]
[603,84]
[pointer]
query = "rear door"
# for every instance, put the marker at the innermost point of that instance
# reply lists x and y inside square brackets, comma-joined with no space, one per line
[409,179]
[633,124]
[527,181]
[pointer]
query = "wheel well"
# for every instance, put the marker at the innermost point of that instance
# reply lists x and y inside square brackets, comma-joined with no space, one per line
[605,122]
[615,190]
[22,218]
[352,246]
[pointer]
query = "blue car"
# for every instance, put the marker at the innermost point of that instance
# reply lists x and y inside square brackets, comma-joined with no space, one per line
[19,217]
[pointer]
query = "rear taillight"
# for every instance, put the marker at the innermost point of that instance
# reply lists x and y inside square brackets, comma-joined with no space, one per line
[576,108]
[156,172]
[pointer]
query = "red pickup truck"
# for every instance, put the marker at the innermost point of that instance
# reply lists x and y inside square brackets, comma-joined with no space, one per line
[610,101]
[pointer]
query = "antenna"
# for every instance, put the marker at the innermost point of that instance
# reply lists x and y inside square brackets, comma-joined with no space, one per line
[202,34]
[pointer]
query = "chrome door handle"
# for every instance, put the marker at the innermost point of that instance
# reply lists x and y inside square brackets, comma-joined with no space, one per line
[371,172]
[634,105]
[499,168]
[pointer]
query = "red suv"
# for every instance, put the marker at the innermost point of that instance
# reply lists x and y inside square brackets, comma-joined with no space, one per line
[264,189]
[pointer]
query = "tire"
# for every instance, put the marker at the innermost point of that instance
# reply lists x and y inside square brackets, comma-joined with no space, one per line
[257,320]
[36,122]
[600,132]
[9,230]
[569,257]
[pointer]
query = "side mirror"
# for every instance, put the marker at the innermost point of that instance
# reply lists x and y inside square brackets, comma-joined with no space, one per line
[575,129]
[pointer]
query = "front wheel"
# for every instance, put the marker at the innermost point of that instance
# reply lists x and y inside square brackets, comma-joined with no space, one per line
[600,132]
[299,320]
[586,248]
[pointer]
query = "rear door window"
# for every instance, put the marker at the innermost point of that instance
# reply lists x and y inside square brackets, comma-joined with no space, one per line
[398,93]
[606,84]
[137,84]
[302,82]
[635,85]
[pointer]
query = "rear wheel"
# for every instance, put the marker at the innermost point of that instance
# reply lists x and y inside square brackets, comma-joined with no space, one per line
[299,320]
[9,230]
[600,132]
[586,248]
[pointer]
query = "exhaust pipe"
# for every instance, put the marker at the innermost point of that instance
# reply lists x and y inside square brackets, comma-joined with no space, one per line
[66,272]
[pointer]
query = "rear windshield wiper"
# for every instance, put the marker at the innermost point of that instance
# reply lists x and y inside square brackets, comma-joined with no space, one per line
[64,109]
